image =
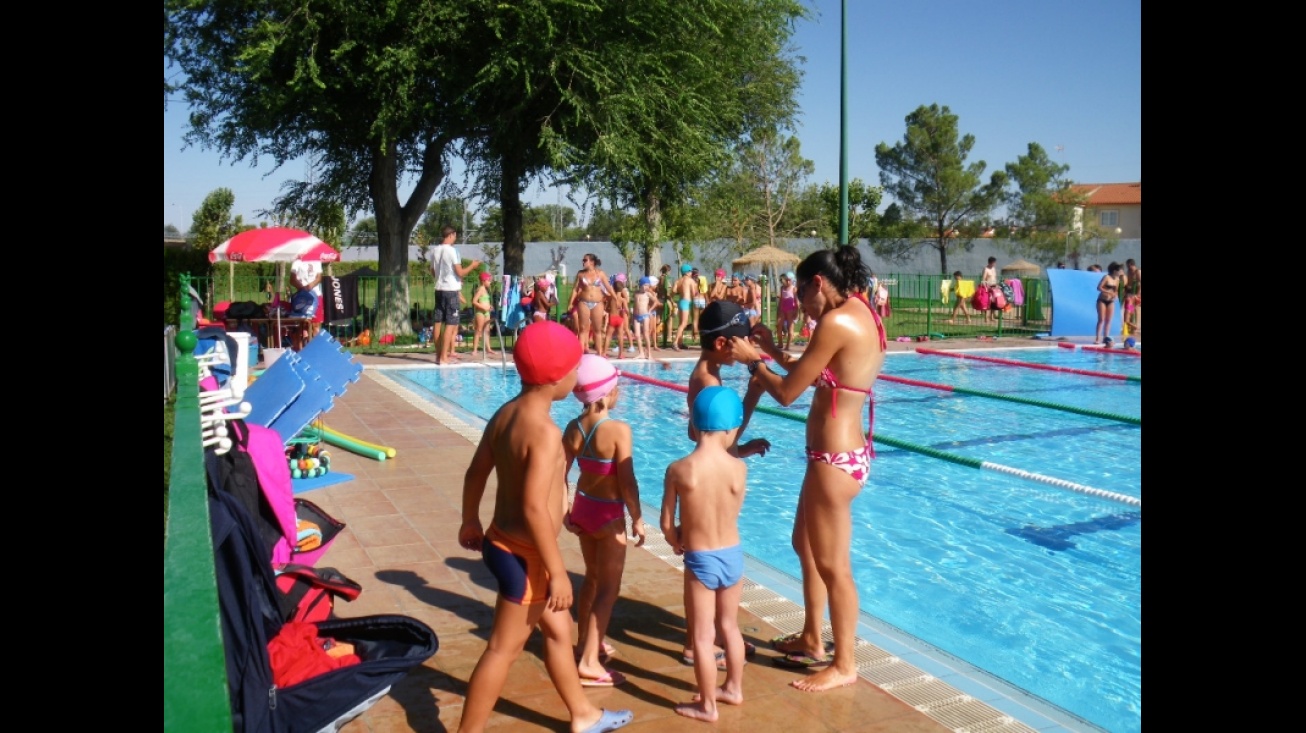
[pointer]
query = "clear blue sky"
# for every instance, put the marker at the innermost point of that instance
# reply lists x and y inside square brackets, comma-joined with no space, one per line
[1066,75]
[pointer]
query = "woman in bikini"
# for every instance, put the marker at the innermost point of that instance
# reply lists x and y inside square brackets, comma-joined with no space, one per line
[483,307]
[605,491]
[1108,289]
[587,300]
[842,360]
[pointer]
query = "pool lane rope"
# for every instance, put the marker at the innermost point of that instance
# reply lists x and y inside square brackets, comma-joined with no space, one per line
[1027,365]
[1103,350]
[931,452]
[1013,398]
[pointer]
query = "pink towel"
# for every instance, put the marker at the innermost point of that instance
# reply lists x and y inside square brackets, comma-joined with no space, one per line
[1017,292]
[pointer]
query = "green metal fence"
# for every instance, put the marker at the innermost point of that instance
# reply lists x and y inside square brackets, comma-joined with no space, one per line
[195,697]
[918,308]
[916,304]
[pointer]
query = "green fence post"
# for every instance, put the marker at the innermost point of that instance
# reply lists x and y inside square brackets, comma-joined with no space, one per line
[929,304]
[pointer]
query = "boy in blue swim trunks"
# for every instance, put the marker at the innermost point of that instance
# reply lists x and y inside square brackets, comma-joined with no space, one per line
[523,446]
[708,488]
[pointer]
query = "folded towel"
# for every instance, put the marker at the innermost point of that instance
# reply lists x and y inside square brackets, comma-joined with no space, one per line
[966,288]
[308,536]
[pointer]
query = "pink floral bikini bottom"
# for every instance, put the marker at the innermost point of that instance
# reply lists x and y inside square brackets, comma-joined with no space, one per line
[855,463]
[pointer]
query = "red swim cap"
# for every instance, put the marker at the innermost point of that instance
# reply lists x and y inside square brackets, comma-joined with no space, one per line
[545,352]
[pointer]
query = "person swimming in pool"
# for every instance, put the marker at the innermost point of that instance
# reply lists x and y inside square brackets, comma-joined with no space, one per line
[843,360]
[523,447]
[606,490]
[702,496]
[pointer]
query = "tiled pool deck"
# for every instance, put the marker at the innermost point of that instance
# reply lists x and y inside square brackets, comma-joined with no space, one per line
[401,545]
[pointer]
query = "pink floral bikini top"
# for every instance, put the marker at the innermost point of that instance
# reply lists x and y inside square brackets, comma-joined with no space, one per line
[828,380]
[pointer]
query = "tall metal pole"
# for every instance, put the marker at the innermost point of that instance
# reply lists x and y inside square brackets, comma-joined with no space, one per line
[843,123]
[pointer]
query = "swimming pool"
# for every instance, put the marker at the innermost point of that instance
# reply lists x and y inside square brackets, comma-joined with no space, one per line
[1035,584]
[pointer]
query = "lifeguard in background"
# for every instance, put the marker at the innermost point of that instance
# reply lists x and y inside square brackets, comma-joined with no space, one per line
[306,275]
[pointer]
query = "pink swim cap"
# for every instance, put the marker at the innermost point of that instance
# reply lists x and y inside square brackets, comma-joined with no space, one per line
[595,378]
[486,277]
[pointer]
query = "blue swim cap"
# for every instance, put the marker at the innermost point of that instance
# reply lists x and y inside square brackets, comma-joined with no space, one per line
[1130,342]
[686,268]
[717,408]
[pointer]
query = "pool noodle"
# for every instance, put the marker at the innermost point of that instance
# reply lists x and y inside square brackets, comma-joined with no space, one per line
[932,452]
[387,450]
[347,444]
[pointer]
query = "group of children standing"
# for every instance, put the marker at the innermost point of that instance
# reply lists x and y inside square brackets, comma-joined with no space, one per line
[703,494]
[702,497]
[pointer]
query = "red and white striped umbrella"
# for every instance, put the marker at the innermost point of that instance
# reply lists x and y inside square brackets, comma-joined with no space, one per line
[274,244]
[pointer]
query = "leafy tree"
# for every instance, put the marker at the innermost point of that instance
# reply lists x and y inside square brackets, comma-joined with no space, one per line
[171,231]
[559,218]
[372,93]
[603,221]
[492,252]
[1041,207]
[537,224]
[212,224]
[439,213]
[776,167]
[863,200]
[732,203]
[364,232]
[677,83]
[928,175]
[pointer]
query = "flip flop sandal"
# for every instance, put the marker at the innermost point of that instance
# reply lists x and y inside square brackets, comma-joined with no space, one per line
[607,652]
[688,660]
[611,720]
[785,639]
[791,638]
[610,678]
[801,661]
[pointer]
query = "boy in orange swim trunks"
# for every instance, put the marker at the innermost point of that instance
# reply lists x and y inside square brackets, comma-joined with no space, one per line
[523,446]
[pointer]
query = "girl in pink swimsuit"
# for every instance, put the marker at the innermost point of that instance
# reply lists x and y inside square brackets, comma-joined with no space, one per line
[605,491]
[842,361]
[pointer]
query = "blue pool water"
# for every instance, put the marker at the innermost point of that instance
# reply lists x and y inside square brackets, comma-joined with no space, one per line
[1037,585]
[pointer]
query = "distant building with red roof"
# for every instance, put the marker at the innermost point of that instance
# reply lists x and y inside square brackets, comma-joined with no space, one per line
[1112,205]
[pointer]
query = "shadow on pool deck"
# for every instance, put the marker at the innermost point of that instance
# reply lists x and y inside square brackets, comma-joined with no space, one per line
[401,545]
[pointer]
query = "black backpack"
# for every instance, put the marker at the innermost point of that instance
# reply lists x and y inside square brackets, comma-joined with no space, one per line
[309,593]
[389,646]
[243,309]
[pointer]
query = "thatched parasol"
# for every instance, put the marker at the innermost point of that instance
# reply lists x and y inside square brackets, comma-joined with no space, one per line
[1022,267]
[769,259]
[767,255]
